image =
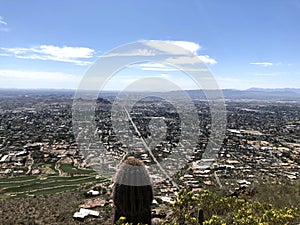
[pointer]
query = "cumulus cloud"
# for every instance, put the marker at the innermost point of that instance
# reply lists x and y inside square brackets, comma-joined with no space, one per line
[265,64]
[188,45]
[76,55]
[207,59]
[173,56]
[155,48]
[169,47]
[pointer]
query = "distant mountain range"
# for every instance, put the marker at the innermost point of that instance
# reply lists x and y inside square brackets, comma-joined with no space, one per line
[297,90]
[261,93]
[284,94]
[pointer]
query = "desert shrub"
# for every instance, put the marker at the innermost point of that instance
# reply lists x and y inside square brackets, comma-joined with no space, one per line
[222,210]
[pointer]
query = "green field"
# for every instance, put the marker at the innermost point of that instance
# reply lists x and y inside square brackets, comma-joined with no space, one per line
[70,169]
[42,184]
[16,179]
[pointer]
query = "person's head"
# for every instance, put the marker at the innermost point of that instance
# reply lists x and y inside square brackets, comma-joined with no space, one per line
[132,192]
[132,172]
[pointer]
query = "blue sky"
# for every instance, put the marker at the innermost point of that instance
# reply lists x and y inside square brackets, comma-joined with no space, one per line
[51,44]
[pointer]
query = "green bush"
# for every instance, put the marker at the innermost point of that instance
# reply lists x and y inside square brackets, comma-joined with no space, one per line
[220,210]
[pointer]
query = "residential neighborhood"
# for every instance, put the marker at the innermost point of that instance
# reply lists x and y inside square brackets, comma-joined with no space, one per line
[261,142]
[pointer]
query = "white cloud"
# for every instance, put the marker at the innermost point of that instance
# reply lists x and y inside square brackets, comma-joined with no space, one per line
[37,79]
[153,67]
[4,54]
[188,60]
[3,24]
[167,66]
[163,75]
[183,60]
[167,46]
[138,52]
[177,51]
[76,55]
[265,64]
[177,56]
[188,45]
[207,59]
